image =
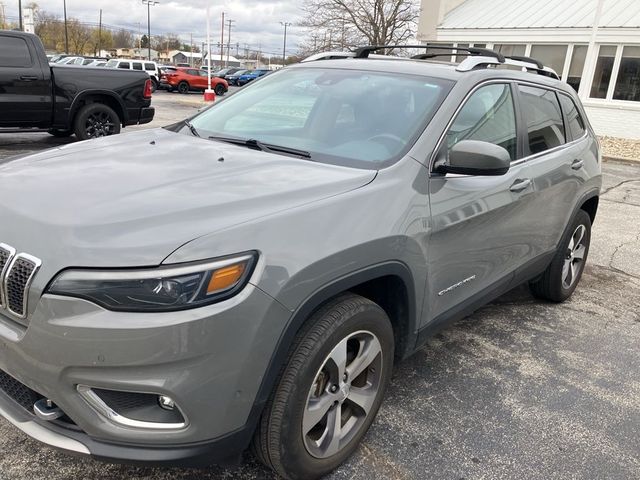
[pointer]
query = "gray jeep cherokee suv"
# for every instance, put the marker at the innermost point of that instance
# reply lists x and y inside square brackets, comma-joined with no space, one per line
[250,276]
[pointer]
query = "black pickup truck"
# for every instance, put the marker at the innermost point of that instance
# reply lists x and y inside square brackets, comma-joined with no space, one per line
[90,102]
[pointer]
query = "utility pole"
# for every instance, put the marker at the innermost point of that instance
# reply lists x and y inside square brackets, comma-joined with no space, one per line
[149,4]
[230,22]
[66,30]
[20,14]
[284,49]
[191,59]
[222,43]
[100,33]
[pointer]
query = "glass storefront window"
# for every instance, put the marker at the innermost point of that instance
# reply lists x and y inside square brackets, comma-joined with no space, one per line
[550,55]
[576,67]
[508,49]
[602,74]
[628,81]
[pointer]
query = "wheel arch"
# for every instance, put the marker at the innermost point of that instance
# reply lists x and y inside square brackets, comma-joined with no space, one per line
[388,284]
[106,97]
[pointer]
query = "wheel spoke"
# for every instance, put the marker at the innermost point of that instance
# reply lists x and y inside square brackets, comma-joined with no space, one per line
[579,252]
[579,233]
[369,350]
[566,271]
[363,397]
[316,411]
[572,274]
[338,359]
[334,431]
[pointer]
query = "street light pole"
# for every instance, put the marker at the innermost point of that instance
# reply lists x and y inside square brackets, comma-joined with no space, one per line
[149,4]
[284,49]
[66,31]
[230,22]
[20,14]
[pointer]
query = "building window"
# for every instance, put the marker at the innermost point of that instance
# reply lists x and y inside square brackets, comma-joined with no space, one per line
[576,66]
[509,50]
[604,68]
[628,81]
[550,55]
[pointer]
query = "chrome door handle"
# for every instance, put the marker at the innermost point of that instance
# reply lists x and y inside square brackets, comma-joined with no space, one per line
[577,164]
[520,185]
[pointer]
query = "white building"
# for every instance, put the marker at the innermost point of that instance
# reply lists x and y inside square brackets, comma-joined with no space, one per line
[594,45]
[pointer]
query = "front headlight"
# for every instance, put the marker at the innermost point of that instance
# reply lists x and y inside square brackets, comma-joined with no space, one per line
[162,289]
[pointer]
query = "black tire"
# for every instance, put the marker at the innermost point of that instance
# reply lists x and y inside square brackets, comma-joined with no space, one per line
[60,133]
[183,87]
[96,120]
[154,85]
[554,284]
[220,90]
[280,442]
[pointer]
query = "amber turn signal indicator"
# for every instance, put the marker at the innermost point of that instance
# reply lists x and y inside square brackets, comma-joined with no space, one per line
[225,278]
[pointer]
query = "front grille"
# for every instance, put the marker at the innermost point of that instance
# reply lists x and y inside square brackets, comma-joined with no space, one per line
[17,284]
[18,391]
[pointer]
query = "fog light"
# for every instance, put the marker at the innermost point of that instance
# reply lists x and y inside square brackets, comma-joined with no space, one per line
[166,402]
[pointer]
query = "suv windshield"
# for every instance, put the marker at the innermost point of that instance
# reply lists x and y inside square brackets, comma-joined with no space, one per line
[346,117]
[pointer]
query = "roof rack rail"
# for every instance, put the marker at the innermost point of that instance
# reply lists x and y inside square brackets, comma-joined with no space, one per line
[527,59]
[475,62]
[364,52]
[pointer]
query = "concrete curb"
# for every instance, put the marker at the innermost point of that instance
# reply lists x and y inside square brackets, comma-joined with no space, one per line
[627,160]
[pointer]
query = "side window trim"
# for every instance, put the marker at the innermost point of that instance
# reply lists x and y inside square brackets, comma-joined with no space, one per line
[442,139]
[566,117]
[521,125]
[527,152]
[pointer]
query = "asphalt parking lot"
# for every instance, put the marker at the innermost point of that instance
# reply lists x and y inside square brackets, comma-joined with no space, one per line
[522,389]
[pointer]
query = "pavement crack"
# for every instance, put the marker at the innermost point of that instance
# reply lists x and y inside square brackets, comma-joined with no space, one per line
[602,193]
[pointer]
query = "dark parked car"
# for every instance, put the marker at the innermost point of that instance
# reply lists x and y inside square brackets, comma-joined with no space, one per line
[233,78]
[225,72]
[66,99]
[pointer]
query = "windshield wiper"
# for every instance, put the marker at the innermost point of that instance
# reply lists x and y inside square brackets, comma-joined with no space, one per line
[192,128]
[264,147]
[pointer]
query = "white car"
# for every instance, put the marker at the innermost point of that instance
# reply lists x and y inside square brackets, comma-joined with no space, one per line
[151,68]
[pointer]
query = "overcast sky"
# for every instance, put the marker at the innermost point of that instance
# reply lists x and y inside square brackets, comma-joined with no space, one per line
[257,21]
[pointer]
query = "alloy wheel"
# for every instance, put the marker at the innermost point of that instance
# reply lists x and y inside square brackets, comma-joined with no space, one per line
[99,124]
[342,394]
[574,259]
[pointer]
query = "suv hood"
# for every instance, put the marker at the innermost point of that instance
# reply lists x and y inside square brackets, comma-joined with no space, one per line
[130,200]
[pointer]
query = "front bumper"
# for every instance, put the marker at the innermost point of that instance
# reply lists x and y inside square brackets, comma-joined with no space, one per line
[211,361]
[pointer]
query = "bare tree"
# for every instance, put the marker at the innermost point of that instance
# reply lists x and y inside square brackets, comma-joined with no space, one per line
[123,39]
[346,24]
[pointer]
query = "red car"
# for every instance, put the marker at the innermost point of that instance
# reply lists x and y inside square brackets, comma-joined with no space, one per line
[185,79]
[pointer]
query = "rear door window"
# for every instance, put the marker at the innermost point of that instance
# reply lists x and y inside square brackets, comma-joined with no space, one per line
[124,65]
[488,116]
[14,52]
[137,66]
[543,119]
[575,123]
[150,67]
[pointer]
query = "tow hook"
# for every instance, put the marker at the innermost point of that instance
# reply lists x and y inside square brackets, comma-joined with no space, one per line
[46,410]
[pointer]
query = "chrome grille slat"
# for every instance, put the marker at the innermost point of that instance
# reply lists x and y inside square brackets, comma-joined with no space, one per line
[16,275]
[6,255]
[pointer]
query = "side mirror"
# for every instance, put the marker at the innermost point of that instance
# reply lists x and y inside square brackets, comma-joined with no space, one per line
[473,157]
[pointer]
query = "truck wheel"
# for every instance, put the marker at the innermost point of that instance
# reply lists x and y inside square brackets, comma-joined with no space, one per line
[329,391]
[183,87]
[154,85]
[562,276]
[60,133]
[220,90]
[96,120]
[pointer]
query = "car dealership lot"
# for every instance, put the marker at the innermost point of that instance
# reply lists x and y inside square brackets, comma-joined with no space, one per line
[521,389]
